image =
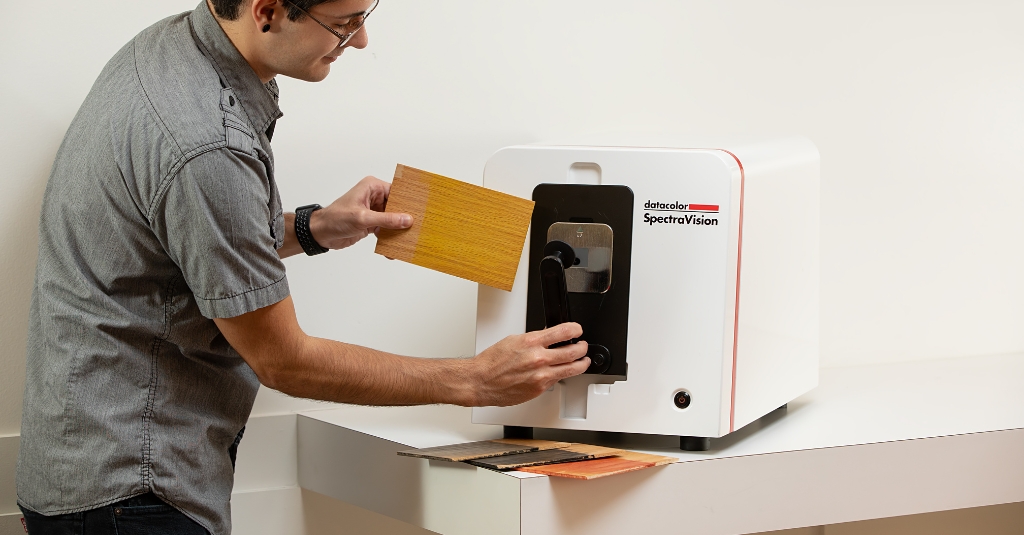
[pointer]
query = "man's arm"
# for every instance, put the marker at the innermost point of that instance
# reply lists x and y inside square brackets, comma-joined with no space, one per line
[291,245]
[514,370]
[350,218]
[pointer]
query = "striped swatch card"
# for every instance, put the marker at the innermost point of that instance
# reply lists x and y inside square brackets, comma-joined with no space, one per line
[458,228]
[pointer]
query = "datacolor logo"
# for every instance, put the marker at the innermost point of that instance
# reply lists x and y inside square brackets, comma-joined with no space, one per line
[688,214]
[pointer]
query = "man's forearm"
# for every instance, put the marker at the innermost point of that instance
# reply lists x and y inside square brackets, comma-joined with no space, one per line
[333,371]
[287,359]
[516,369]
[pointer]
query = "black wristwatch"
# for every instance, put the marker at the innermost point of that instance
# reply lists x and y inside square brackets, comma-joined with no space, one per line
[302,232]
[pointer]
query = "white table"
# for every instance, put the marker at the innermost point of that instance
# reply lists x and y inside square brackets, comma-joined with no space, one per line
[869,442]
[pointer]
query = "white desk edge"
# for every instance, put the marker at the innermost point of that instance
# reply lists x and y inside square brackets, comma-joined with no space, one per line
[869,442]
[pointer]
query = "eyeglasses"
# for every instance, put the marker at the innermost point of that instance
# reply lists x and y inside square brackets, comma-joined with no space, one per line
[350,28]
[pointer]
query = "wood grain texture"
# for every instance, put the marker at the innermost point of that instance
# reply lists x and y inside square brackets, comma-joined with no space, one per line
[656,460]
[591,469]
[458,228]
[539,444]
[626,461]
[533,458]
[572,452]
[483,449]
[595,451]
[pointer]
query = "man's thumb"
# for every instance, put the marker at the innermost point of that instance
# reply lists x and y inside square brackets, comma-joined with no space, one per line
[392,220]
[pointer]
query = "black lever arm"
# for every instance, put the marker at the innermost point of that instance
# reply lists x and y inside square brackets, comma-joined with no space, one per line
[558,256]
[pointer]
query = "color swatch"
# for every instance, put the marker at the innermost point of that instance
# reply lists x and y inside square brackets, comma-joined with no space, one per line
[572,452]
[458,228]
[483,449]
[627,461]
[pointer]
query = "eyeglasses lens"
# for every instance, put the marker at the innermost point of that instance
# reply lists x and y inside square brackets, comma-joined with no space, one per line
[357,22]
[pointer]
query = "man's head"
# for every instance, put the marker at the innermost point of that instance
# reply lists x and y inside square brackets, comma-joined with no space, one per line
[285,37]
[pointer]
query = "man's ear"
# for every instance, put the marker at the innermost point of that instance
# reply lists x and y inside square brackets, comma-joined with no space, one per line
[266,12]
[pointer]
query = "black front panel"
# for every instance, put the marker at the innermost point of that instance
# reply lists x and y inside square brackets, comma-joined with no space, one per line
[604,316]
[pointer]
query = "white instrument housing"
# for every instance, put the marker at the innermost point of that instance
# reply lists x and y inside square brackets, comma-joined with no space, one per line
[723,298]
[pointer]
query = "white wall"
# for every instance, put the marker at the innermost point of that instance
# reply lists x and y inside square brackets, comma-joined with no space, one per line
[917,108]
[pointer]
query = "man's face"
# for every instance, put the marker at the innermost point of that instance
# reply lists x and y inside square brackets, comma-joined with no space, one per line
[310,48]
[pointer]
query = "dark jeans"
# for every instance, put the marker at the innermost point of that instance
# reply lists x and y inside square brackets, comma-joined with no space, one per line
[141,515]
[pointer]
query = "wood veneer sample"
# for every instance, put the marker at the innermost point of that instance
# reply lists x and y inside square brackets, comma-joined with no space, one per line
[572,452]
[539,444]
[482,449]
[458,228]
[627,461]
[656,460]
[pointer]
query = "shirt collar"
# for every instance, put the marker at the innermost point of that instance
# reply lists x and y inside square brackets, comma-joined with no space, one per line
[259,101]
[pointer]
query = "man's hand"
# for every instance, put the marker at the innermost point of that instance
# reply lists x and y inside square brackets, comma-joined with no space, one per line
[521,367]
[514,370]
[350,218]
[355,215]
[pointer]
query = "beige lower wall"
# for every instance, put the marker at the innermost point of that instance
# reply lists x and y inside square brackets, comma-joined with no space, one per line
[1006,519]
[296,511]
[8,464]
[326,516]
[268,512]
[11,525]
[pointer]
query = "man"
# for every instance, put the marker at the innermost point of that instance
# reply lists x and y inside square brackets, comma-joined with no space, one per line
[161,301]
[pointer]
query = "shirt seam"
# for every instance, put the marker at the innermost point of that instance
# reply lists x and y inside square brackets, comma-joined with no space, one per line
[149,102]
[184,159]
[147,415]
[67,418]
[183,156]
[82,508]
[232,296]
[205,51]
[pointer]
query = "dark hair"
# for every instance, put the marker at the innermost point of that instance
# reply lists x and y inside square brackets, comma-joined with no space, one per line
[229,9]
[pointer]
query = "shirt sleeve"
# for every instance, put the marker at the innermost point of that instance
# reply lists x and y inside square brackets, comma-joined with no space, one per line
[216,222]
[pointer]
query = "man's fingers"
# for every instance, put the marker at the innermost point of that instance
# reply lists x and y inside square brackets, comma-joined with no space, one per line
[386,220]
[560,333]
[569,353]
[374,185]
[572,369]
[376,191]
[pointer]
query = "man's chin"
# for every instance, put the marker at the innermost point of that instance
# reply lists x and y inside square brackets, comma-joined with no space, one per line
[317,74]
[321,75]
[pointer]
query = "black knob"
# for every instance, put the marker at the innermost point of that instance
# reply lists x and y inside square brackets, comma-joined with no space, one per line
[682,399]
[561,251]
[600,358]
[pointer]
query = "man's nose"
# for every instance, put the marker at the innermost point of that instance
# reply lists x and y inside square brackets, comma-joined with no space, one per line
[360,39]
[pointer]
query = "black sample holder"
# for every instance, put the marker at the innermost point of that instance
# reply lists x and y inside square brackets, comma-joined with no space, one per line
[603,316]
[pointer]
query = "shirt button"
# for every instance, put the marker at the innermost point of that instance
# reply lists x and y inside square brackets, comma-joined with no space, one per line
[231,101]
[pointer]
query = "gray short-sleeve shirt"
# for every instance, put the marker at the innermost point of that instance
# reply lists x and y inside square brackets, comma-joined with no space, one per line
[161,212]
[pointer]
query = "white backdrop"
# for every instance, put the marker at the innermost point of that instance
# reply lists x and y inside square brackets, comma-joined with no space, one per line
[917,108]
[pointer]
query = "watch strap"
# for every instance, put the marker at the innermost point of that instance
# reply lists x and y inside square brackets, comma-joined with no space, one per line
[302,232]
